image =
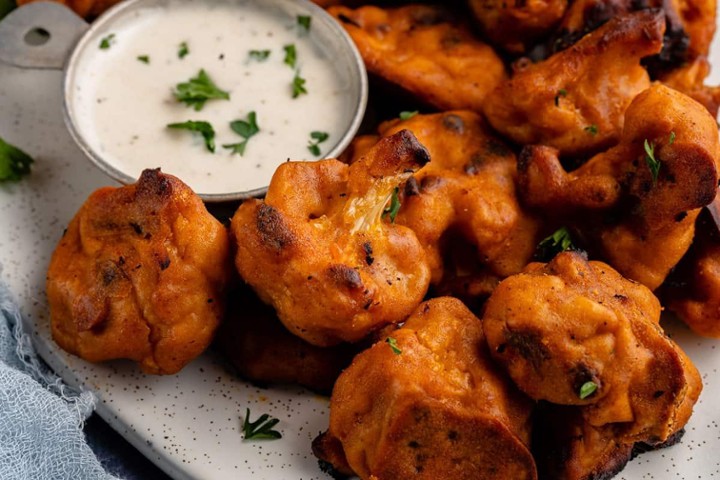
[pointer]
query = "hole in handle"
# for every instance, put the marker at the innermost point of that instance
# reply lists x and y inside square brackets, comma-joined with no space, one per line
[37,36]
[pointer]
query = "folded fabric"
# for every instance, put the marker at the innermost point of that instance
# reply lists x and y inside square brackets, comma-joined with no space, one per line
[41,418]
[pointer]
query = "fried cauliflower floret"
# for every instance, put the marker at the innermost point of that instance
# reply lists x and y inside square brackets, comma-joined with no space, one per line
[467,190]
[693,290]
[84,8]
[264,352]
[320,250]
[140,273]
[428,403]
[573,332]
[425,51]
[690,80]
[516,24]
[642,224]
[575,100]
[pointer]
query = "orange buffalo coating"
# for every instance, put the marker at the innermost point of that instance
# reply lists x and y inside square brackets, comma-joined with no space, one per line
[324,255]
[562,327]
[429,405]
[140,273]
[689,79]
[693,291]
[84,8]
[643,226]
[516,24]
[466,194]
[426,51]
[575,100]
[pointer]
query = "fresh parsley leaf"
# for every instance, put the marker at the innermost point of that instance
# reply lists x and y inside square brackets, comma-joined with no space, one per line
[591,129]
[319,137]
[259,55]
[587,389]
[394,207]
[393,345]
[290,55]
[304,22]
[408,115]
[14,163]
[196,91]
[652,163]
[672,138]
[298,86]
[560,93]
[204,128]
[260,428]
[143,59]
[106,42]
[246,129]
[559,241]
[183,50]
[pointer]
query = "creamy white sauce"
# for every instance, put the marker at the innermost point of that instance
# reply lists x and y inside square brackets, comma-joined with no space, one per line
[123,105]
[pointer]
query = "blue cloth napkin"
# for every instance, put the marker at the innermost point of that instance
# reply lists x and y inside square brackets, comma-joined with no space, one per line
[41,418]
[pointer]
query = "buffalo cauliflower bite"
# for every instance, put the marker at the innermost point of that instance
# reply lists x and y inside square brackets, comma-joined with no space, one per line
[323,250]
[84,8]
[575,100]
[573,332]
[140,273]
[428,402]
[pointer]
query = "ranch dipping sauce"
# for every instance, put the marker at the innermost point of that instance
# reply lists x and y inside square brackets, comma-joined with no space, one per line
[124,92]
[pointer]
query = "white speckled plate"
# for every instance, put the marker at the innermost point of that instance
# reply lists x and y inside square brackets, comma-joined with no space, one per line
[189,423]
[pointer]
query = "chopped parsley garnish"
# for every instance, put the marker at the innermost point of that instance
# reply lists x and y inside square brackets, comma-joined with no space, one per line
[14,163]
[304,22]
[143,59]
[394,207]
[259,55]
[183,50]
[202,127]
[298,86]
[559,241]
[560,93]
[672,138]
[290,55]
[262,428]
[408,115]
[393,345]
[652,163]
[106,42]
[246,129]
[196,91]
[319,137]
[587,389]
[591,129]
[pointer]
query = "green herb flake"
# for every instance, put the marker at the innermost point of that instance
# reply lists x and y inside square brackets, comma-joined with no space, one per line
[14,163]
[304,22]
[298,86]
[559,241]
[392,210]
[246,129]
[107,42]
[202,127]
[408,115]
[672,138]
[560,93]
[290,55]
[260,429]
[591,129]
[143,58]
[196,91]
[587,389]
[259,55]
[318,137]
[393,345]
[183,50]
[652,163]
